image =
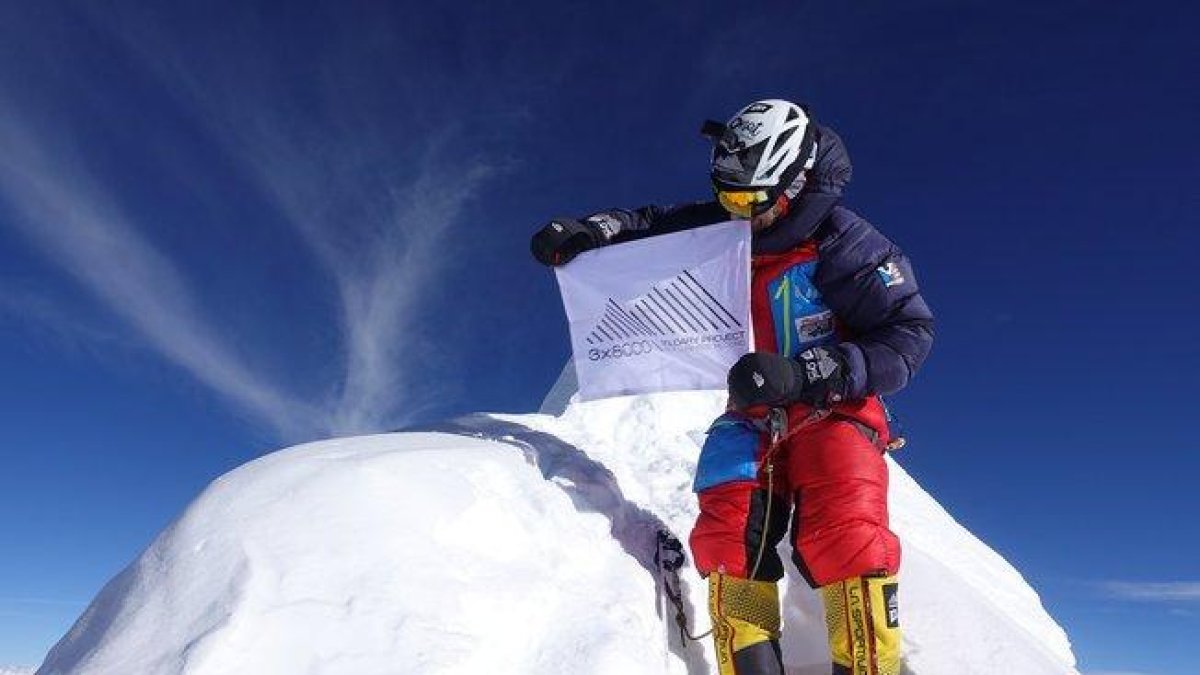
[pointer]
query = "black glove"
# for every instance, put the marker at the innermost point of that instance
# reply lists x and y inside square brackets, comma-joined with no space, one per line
[564,238]
[816,376]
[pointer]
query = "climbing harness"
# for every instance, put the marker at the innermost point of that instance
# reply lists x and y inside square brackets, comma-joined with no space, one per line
[669,556]
[778,433]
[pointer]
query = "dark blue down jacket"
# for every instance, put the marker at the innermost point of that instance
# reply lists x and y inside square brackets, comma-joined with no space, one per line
[864,278]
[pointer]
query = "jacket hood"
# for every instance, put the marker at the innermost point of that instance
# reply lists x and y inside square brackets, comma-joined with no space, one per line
[826,182]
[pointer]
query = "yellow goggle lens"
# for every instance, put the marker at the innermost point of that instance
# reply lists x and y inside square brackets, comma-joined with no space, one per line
[741,203]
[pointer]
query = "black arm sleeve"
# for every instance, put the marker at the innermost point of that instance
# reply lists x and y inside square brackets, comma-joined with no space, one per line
[869,284]
[649,221]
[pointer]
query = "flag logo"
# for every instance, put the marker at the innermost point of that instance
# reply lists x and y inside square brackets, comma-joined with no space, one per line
[674,315]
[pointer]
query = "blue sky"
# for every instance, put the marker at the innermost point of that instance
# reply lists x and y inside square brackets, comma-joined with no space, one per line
[226,227]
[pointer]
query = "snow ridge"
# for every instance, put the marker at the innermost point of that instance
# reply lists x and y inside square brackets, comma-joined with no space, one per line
[504,544]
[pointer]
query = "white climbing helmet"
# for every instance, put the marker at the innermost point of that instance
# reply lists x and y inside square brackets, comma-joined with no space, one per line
[760,155]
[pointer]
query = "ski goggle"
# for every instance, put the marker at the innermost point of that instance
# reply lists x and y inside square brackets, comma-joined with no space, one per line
[743,203]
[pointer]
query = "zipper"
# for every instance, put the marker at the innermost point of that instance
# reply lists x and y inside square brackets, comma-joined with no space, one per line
[785,288]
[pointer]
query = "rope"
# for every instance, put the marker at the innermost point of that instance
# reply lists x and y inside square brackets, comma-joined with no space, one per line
[780,433]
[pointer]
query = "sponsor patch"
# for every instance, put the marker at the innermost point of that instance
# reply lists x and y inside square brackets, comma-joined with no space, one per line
[817,365]
[891,274]
[608,225]
[815,327]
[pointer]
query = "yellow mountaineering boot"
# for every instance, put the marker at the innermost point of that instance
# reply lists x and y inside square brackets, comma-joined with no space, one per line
[746,621]
[864,625]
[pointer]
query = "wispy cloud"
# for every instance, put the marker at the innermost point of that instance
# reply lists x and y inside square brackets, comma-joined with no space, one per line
[374,202]
[66,213]
[35,309]
[383,258]
[1171,591]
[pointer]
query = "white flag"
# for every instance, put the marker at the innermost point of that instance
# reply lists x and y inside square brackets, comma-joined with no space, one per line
[665,313]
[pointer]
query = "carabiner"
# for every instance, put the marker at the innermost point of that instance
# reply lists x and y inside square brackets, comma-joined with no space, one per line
[777,421]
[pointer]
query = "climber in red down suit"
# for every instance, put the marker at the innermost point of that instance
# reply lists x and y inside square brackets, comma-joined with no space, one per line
[838,320]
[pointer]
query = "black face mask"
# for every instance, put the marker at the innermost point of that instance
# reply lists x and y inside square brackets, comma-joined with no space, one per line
[805,214]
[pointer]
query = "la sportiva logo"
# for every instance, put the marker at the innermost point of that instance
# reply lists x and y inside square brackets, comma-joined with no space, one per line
[857,610]
[674,315]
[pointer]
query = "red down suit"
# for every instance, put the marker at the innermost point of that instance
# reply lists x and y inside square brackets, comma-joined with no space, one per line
[831,474]
[822,278]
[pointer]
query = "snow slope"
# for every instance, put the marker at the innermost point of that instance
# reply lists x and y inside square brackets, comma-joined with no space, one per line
[503,544]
